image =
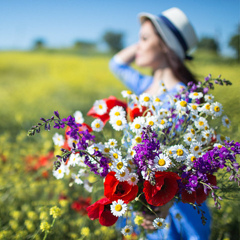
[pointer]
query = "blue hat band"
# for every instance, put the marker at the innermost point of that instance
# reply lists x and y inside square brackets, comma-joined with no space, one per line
[175,31]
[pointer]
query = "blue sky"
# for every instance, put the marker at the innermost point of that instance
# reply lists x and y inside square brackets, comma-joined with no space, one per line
[61,22]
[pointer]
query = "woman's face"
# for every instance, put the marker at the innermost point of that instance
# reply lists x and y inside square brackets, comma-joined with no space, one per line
[149,52]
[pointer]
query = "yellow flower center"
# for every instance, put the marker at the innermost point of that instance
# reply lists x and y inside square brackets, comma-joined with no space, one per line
[192,131]
[206,128]
[219,146]
[117,113]
[159,224]
[196,148]
[96,148]
[195,94]
[106,150]
[118,207]
[200,123]
[112,143]
[161,162]
[194,107]
[216,109]
[170,152]
[207,106]
[137,126]
[133,179]
[130,162]
[110,164]
[193,158]
[146,99]
[115,155]
[203,139]
[59,171]
[127,230]
[119,122]
[162,122]
[129,92]
[179,152]
[189,139]
[207,134]
[157,100]
[97,125]
[100,106]
[138,139]
[183,103]
[151,123]
[119,165]
[153,108]
[227,121]
[122,174]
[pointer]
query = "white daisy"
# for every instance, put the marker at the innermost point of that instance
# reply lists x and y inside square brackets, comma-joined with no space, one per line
[123,176]
[157,102]
[196,148]
[127,230]
[59,173]
[118,208]
[207,134]
[162,123]
[226,122]
[182,106]
[137,139]
[191,130]
[117,111]
[74,159]
[95,147]
[137,125]
[201,123]
[179,153]
[195,95]
[209,98]
[87,186]
[126,93]
[118,123]
[112,143]
[135,98]
[218,145]
[206,108]
[145,99]
[58,139]
[97,125]
[188,138]
[77,179]
[119,165]
[222,138]
[115,154]
[100,107]
[106,149]
[194,107]
[190,160]
[151,121]
[159,223]
[133,179]
[70,142]
[161,162]
[216,109]
[202,139]
[163,113]
[78,117]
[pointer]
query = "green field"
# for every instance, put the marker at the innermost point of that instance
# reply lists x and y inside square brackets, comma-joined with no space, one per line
[33,85]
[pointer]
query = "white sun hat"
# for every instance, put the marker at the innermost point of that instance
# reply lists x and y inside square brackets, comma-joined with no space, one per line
[175,29]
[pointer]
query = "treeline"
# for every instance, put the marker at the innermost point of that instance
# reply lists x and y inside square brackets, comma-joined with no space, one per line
[114,41]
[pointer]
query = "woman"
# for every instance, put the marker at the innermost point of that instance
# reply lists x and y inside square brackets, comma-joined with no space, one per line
[163,45]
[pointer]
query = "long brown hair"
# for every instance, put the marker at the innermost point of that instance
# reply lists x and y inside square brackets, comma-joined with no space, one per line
[177,66]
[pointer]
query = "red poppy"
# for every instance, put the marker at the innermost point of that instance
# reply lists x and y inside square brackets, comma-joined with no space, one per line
[135,112]
[101,210]
[114,190]
[81,205]
[199,196]
[164,190]
[111,102]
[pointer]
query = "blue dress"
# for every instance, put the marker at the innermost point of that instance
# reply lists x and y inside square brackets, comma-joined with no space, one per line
[189,226]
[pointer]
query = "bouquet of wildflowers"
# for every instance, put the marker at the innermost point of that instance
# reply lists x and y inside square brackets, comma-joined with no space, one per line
[160,151]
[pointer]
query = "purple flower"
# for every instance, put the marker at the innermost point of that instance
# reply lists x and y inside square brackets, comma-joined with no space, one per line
[193,181]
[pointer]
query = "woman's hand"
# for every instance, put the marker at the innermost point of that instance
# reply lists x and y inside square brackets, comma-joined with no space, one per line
[161,212]
[127,55]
